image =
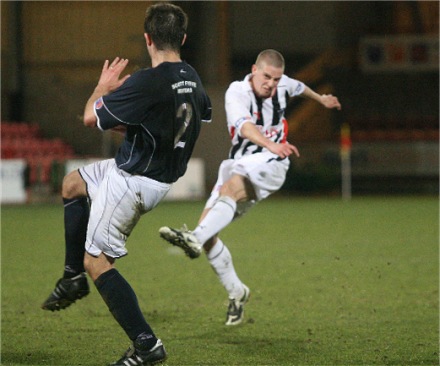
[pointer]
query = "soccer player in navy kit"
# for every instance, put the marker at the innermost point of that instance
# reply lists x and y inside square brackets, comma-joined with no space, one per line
[256,168]
[160,111]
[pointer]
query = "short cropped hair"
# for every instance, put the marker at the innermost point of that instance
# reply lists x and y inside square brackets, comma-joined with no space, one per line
[166,24]
[270,57]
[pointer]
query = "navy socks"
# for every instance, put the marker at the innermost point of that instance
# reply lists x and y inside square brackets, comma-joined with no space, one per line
[123,304]
[76,218]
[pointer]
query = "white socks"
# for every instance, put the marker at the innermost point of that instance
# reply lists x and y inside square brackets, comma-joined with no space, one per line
[220,216]
[221,261]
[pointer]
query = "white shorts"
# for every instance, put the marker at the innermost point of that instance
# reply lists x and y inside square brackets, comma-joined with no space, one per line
[118,200]
[264,171]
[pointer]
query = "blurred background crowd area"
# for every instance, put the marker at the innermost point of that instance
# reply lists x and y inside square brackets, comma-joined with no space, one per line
[379,57]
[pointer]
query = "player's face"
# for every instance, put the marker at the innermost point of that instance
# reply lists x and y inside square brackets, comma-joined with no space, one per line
[265,79]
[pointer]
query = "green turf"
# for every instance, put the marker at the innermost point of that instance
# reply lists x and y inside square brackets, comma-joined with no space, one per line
[333,283]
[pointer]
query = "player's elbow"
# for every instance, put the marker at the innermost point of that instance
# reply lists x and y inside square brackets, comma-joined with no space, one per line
[89,120]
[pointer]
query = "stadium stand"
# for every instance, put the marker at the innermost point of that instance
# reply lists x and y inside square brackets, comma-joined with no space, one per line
[21,140]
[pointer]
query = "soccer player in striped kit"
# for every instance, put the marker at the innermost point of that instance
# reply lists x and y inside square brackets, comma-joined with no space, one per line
[160,110]
[256,168]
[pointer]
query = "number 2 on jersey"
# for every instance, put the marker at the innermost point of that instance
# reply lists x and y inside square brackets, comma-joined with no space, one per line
[184,115]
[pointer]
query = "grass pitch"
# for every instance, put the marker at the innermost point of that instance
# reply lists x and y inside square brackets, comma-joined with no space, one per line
[333,283]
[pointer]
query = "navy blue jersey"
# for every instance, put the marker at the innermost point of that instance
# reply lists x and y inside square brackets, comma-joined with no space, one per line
[162,109]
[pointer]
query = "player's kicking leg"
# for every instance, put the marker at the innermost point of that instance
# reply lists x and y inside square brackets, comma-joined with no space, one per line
[213,220]
[183,239]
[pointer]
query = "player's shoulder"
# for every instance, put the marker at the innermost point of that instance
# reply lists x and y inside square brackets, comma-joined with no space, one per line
[149,78]
[140,76]
[291,85]
[240,86]
[153,72]
[287,80]
[186,67]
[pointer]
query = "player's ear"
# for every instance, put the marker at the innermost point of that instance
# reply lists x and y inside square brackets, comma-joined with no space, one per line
[148,39]
[184,39]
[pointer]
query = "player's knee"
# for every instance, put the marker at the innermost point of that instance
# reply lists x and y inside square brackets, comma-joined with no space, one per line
[73,186]
[91,269]
[95,266]
[209,244]
[232,190]
[87,263]
[238,188]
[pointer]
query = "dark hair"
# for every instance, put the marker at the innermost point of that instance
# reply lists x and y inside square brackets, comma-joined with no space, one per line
[166,24]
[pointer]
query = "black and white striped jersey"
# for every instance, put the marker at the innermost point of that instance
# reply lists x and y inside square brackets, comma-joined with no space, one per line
[242,105]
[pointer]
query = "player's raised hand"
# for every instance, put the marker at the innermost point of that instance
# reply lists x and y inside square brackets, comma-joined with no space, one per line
[108,81]
[110,75]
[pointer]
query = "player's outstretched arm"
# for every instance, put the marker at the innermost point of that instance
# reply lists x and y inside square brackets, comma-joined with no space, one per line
[327,100]
[108,81]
